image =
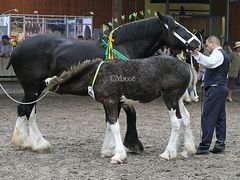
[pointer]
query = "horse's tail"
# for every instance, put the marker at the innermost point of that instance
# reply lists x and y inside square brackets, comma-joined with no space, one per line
[193,83]
[9,63]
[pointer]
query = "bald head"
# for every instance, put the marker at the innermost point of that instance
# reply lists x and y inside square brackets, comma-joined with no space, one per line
[212,42]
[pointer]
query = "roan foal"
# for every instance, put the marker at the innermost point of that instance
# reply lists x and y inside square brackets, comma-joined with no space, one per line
[141,80]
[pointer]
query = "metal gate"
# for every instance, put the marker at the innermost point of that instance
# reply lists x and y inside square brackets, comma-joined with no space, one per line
[24,26]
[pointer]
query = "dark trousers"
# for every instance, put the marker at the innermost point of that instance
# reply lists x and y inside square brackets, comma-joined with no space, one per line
[214,116]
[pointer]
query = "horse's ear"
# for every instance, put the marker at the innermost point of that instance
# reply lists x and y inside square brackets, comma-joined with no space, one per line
[202,31]
[160,16]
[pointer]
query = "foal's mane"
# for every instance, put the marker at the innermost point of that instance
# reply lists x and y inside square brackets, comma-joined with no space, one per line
[72,72]
[141,28]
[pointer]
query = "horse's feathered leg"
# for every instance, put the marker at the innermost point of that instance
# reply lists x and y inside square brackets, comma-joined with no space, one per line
[108,147]
[189,145]
[111,111]
[171,99]
[37,142]
[26,133]
[171,149]
[131,141]
[20,133]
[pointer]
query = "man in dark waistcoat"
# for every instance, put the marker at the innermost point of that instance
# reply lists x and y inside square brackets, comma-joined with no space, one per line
[215,85]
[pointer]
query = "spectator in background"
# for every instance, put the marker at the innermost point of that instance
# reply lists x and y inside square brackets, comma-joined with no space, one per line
[233,70]
[5,47]
[227,48]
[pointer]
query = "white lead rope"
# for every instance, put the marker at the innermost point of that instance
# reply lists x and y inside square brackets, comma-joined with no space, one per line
[19,102]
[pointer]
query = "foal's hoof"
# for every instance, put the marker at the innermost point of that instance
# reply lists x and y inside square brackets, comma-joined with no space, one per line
[108,154]
[118,161]
[168,156]
[184,154]
[164,156]
[188,153]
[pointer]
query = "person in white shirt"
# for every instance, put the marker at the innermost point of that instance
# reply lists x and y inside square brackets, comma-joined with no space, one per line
[215,85]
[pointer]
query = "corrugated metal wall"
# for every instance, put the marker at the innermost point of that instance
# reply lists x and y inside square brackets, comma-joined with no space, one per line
[101,8]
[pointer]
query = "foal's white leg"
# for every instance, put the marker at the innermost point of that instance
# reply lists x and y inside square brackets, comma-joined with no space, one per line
[108,147]
[120,153]
[189,145]
[20,134]
[171,149]
[38,143]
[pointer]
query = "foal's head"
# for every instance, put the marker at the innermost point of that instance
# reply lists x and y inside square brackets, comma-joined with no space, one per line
[177,36]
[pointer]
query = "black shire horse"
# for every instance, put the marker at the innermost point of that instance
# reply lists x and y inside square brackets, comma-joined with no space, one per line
[141,80]
[43,56]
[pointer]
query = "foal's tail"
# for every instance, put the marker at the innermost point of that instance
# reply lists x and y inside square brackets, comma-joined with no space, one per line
[193,83]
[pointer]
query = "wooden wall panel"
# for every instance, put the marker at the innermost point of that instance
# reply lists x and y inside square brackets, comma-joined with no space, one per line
[234,23]
[101,8]
[133,6]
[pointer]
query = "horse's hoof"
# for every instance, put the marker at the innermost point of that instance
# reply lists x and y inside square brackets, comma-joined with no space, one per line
[42,146]
[20,142]
[184,154]
[118,161]
[192,152]
[107,154]
[134,147]
[168,156]
[164,156]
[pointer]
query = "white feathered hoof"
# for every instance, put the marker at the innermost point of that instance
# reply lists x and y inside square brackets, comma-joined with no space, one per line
[41,146]
[184,154]
[107,153]
[119,158]
[168,156]
[19,141]
[117,161]
[188,153]
[192,151]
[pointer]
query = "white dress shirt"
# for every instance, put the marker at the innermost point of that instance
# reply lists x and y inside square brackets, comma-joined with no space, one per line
[214,60]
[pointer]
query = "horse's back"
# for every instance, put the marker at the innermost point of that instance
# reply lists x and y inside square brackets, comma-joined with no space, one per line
[44,55]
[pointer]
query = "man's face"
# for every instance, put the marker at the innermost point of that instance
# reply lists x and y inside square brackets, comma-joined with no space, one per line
[210,46]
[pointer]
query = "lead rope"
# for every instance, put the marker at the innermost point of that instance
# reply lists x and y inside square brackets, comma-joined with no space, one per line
[24,103]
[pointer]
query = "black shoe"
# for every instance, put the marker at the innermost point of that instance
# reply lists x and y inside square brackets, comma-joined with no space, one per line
[218,150]
[202,151]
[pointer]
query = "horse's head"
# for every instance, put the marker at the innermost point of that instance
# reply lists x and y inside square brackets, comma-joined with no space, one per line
[177,36]
[200,36]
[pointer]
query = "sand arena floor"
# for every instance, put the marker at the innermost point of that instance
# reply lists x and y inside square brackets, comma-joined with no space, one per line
[76,126]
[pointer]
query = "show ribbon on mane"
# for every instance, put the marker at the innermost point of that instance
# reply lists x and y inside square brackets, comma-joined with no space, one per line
[105,45]
[109,47]
[90,88]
